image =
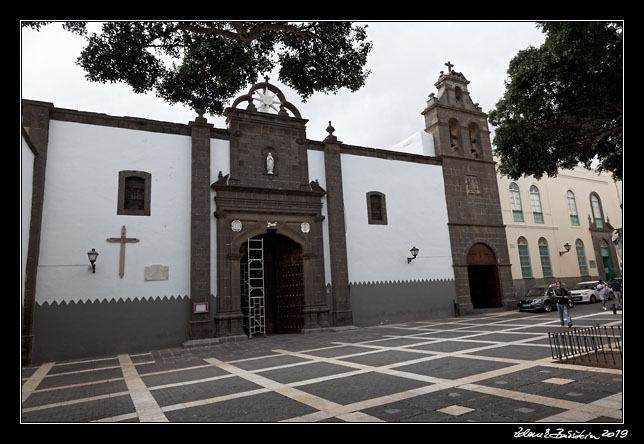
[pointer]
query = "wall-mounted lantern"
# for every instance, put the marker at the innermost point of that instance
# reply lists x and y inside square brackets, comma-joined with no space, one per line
[92,255]
[567,247]
[414,253]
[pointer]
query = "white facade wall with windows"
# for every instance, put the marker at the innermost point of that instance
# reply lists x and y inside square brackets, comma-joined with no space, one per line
[83,168]
[542,216]
[377,251]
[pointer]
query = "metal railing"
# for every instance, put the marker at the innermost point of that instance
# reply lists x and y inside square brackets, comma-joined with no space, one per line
[594,345]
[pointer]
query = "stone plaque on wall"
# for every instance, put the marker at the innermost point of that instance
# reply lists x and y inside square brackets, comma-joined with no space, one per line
[156,273]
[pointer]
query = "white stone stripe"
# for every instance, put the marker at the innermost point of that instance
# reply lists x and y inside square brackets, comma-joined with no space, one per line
[144,403]
[82,384]
[200,402]
[30,386]
[117,418]
[72,402]
[573,409]
[329,408]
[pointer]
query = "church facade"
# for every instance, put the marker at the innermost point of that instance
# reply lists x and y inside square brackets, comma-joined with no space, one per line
[206,234]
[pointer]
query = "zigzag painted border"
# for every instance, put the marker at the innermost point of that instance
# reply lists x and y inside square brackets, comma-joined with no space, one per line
[409,281]
[113,300]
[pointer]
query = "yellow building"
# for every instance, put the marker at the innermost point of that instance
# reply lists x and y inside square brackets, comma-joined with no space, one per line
[562,228]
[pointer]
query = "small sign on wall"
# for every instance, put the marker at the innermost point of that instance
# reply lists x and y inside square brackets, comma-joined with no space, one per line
[200,307]
[156,273]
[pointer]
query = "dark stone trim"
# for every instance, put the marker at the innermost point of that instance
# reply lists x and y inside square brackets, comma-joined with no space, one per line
[30,144]
[147,177]
[378,153]
[35,122]
[388,155]
[200,324]
[457,224]
[341,309]
[133,123]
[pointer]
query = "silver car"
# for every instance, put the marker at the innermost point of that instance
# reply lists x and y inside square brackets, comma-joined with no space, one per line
[541,298]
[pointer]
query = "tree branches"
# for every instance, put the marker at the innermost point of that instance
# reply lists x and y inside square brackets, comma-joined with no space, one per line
[211,62]
[563,102]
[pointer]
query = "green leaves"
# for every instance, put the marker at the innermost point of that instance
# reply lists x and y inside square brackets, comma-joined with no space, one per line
[206,64]
[563,102]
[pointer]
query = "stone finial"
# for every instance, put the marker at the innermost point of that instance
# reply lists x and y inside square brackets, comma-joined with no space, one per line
[330,130]
[200,118]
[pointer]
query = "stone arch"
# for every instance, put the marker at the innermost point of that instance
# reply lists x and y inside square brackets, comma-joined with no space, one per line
[473,132]
[483,276]
[259,228]
[454,134]
[266,86]
[480,254]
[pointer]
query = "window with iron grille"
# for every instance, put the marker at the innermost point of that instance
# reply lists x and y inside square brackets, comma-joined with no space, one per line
[544,254]
[535,202]
[524,258]
[597,210]
[572,208]
[376,208]
[515,202]
[581,257]
[134,192]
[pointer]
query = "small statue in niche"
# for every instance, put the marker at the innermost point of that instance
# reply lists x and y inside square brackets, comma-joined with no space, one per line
[270,163]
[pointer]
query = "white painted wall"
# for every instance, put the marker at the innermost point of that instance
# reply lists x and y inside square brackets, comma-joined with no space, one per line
[318,172]
[416,216]
[79,213]
[26,191]
[418,143]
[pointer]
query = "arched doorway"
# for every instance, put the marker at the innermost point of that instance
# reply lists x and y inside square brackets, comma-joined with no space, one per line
[483,277]
[609,272]
[282,282]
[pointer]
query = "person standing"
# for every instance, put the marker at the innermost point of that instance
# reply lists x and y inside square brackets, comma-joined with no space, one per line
[617,291]
[562,304]
[603,293]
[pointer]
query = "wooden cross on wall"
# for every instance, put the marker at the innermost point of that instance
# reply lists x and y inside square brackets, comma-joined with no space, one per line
[122,240]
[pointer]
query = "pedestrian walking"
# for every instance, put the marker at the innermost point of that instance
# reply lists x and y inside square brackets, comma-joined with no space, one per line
[617,291]
[563,296]
[603,293]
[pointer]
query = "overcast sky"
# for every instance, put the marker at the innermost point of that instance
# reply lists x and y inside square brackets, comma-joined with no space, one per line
[405,62]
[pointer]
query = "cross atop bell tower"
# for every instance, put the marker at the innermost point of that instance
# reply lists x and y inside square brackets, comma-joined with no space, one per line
[459,125]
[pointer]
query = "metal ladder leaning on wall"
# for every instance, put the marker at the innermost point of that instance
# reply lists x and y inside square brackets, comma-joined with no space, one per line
[255,286]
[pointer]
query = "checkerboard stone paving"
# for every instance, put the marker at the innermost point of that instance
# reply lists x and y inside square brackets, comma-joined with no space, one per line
[493,368]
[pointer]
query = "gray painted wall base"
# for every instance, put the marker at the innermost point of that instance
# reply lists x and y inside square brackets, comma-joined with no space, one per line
[392,302]
[90,329]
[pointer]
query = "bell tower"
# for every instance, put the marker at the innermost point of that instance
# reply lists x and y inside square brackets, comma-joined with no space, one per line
[477,234]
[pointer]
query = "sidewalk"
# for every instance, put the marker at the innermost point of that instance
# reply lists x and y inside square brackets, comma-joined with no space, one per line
[493,368]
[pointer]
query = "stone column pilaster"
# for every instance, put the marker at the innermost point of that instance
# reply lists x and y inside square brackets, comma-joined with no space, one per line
[201,324]
[341,311]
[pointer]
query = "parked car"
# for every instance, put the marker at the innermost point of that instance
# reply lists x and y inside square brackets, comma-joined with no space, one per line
[587,292]
[541,298]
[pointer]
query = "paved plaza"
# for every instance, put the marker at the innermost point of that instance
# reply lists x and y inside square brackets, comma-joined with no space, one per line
[490,368]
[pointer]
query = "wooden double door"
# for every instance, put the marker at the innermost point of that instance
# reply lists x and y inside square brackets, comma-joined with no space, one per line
[283,284]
